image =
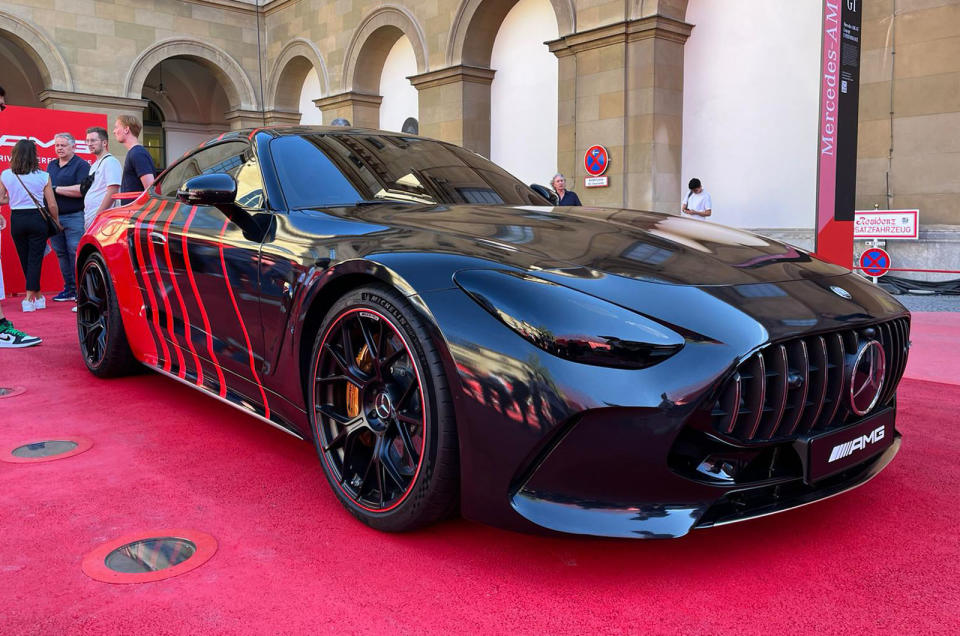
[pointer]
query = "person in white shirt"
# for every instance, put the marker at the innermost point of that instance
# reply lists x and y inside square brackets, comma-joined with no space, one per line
[104,179]
[697,202]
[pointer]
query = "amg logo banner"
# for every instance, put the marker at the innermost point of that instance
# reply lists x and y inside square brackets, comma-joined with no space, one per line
[9,141]
[847,448]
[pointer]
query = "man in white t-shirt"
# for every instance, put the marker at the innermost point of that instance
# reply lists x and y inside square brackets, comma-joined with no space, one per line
[697,202]
[105,175]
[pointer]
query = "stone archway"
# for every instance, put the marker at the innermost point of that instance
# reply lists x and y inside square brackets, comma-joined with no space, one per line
[288,73]
[371,43]
[34,43]
[226,69]
[477,22]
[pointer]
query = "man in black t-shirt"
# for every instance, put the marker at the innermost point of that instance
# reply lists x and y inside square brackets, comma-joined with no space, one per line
[68,170]
[138,168]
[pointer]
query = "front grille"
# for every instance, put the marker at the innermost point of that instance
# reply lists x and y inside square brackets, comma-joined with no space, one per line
[796,387]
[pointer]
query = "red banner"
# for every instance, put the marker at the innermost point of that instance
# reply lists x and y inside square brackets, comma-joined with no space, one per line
[40,125]
[839,99]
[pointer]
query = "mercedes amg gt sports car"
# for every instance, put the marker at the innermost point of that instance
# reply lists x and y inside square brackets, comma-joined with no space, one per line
[450,342]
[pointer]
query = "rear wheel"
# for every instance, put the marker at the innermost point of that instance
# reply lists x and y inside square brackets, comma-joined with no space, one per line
[103,342]
[381,412]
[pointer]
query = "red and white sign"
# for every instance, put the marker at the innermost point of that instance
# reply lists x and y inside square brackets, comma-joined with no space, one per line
[596,160]
[875,262]
[40,125]
[886,224]
[596,182]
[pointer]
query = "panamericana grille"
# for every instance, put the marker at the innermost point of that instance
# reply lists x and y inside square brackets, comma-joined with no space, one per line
[797,386]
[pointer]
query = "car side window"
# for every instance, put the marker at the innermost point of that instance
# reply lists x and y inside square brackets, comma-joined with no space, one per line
[226,158]
[308,176]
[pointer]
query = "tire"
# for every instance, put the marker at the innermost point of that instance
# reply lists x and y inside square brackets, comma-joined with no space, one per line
[103,341]
[381,412]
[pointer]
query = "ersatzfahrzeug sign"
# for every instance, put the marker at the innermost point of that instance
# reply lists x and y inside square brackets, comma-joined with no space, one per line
[596,182]
[886,224]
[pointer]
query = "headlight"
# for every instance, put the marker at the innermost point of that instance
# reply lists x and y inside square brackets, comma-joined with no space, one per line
[568,323]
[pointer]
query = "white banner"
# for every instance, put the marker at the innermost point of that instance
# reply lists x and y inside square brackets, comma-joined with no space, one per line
[886,224]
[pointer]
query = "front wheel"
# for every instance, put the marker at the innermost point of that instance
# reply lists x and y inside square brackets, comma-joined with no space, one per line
[103,341]
[381,412]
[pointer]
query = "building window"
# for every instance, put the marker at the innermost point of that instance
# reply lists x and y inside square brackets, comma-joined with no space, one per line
[154,139]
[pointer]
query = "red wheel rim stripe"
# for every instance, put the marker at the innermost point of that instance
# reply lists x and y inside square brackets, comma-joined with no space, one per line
[423,409]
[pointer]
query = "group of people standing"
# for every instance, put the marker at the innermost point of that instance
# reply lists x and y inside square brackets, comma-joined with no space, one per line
[72,193]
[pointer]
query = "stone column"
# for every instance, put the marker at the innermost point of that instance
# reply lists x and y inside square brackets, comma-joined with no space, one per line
[360,109]
[455,106]
[621,86]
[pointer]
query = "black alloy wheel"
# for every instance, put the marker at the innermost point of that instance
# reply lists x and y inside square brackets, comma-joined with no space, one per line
[103,342]
[381,413]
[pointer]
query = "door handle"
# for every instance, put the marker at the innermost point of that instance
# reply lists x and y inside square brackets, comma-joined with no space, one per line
[158,237]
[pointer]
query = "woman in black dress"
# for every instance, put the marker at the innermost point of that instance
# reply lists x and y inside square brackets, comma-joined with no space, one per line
[564,196]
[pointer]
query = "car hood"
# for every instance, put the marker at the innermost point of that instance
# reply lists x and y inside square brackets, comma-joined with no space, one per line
[592,242]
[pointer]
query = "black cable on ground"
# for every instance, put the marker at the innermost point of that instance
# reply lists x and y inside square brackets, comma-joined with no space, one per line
[897,285]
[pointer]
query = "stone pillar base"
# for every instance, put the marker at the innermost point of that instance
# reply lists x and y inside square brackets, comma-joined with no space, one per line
[360,109]
[279,117]
[238,119]
[455,106]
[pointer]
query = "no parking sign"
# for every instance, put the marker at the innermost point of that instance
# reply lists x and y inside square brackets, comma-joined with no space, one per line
[595,162]
[875,262]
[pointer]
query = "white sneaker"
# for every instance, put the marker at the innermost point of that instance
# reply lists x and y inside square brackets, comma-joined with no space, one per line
[28,305]
[40,303]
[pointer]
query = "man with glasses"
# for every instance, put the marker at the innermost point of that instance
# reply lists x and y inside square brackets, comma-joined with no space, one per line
[105,176]
[65,176]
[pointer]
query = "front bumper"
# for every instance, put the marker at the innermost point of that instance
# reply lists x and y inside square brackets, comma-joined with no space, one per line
[572,490]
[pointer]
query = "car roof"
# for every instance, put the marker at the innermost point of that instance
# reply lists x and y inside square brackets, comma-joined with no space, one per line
[283,131]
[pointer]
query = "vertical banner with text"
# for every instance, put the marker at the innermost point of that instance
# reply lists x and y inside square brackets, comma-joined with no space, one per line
[40,125]
[839,104]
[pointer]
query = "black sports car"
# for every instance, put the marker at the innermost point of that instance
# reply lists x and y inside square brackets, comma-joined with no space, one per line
[450,341]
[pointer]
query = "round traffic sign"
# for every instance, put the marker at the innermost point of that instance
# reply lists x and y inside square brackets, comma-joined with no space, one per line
[875,262]
[596,160]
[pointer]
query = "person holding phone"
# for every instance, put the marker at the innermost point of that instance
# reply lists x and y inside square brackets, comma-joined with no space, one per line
[697,202]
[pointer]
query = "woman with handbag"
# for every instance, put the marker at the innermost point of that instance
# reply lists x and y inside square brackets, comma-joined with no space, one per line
[25,187]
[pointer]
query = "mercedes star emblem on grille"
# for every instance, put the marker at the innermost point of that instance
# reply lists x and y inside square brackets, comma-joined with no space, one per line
[866,377]
[841,292]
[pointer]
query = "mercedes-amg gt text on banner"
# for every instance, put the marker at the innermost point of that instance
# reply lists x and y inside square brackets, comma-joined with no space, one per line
[451,343]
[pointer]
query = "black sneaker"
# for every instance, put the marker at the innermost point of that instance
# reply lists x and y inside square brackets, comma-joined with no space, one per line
[11,338]
[65,296]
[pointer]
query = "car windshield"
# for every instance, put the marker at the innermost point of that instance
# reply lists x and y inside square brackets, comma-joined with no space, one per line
[342,169]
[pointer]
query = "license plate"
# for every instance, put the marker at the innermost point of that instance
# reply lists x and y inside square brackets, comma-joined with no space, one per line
[836,451]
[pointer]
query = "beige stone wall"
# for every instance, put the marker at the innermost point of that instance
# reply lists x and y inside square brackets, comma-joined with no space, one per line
[99,40]
[920,85]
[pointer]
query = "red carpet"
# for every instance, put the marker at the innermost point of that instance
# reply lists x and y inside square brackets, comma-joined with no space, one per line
[882,559]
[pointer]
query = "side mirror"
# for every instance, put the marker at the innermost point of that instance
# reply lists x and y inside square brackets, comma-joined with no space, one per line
[546,193]
[209,189]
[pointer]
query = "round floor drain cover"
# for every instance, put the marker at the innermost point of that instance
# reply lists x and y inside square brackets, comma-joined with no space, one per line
[149,556]
[44,449]
[10,391]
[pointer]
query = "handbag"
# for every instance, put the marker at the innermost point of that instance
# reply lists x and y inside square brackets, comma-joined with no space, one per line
[87,182]
[53,225]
